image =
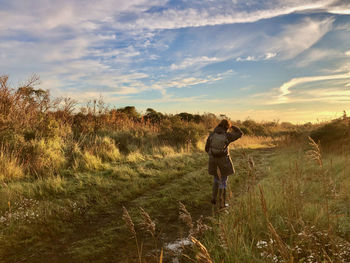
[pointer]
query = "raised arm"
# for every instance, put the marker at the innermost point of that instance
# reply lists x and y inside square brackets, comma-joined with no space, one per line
[234,134]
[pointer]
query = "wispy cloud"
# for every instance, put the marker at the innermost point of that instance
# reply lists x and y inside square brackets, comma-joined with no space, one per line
[285,89]
[299,37]
[181,82]
[316,55]
[216,14]
[195,62]
[267,56]
[292,40]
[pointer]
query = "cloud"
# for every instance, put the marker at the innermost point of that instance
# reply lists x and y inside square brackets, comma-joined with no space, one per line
[292,40]
[249,58]
[339,8]
[215,14]
[42,15]
[183,81]
[109,84]
[267,56]
[285,88]
[299,37]
[195,62]
[316,54]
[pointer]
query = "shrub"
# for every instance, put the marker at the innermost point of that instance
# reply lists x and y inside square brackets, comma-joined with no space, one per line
[253,128]
[333,134]
[180,133]
[126,141]
[44,157]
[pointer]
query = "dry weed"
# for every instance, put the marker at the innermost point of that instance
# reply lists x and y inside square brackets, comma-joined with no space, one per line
[200,228]
[147,223]
[185,216]
[202,255]
[315,152]
[131,227]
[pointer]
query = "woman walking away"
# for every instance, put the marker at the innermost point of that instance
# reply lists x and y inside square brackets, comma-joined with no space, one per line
[220,163]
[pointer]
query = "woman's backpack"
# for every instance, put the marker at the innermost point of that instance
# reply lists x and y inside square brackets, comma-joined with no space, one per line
[218,144]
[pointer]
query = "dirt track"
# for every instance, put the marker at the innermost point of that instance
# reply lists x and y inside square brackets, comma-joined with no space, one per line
[103,237]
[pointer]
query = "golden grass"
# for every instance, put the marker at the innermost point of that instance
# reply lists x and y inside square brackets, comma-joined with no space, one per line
[10,167]
[253,142]
[202,254]
[297,213]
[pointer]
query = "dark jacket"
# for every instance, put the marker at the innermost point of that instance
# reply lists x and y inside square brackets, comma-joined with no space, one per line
[223,163]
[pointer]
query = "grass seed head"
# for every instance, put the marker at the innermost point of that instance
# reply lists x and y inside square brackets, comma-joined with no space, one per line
[185,216]
[315,152]
[128,221]
[200,227]
[251,163]
[147,223]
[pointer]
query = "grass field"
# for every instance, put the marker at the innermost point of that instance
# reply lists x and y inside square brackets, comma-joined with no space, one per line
[290,205]
[77,216]
[298,213]
[112,185]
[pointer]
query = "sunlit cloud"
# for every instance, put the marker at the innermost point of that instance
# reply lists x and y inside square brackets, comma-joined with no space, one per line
[285,89]
[340,8]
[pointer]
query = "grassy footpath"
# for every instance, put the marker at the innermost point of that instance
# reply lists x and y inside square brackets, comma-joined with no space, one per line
[300,212]
[56,217]
[77,217]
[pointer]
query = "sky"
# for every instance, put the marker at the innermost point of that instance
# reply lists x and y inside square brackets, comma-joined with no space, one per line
[286,60]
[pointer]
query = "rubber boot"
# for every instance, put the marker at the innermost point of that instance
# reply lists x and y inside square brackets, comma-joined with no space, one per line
[215,192]
[221,193]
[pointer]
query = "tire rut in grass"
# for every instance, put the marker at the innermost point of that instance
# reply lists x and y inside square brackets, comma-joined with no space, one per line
[110,225]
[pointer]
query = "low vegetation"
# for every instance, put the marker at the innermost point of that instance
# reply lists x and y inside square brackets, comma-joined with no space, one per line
[298,213]
[71,178]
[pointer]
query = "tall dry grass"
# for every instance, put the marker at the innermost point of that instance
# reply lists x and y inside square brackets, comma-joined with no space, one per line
[297,214]
[131,227]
